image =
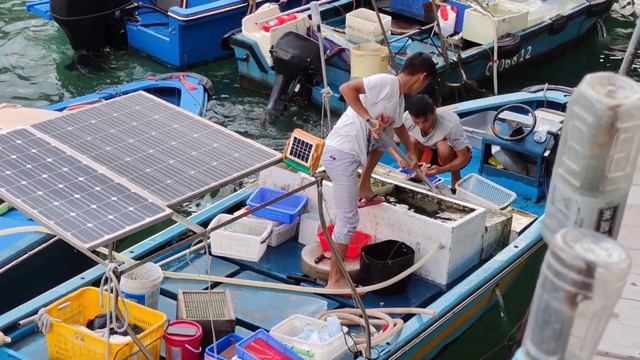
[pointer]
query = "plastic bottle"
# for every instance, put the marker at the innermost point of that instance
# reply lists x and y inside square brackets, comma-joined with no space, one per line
[581,278]
[596,157]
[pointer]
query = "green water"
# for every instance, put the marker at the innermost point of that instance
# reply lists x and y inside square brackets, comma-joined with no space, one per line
[37,67]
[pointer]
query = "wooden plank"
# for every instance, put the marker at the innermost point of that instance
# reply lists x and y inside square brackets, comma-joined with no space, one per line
[632,288]
[629,237]
[621,340]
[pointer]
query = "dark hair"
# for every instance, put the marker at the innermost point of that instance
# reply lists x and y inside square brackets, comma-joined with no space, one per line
[420,106]
[418,63]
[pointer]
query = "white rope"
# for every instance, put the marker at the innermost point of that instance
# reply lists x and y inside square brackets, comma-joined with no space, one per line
[110,280]
[43,320]
[326,104]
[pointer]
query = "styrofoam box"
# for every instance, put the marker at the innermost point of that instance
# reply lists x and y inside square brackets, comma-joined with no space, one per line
[462,239]
[287,331]
[362,26]
[478,26]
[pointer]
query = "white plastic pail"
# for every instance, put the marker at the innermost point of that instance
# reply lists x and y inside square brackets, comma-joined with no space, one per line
[142,285]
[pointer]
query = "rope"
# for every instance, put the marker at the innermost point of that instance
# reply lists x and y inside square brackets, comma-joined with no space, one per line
[110,280]
[326,99]
[24,229]
[43,320]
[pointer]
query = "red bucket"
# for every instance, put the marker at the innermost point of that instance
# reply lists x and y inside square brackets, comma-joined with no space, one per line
[358,240]
[182,339]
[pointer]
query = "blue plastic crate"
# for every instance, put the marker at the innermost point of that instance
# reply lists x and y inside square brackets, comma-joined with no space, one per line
[261,333]
[413,8]
[285,211]
[221,345]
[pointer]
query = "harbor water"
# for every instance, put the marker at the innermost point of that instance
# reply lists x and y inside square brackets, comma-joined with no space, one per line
[38,67]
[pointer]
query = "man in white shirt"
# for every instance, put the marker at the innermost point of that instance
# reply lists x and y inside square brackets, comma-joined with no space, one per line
[377,100]
[438,135]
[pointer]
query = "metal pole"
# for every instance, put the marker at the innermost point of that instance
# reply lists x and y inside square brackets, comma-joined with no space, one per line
[216,227]
[345,274]
[27,255]
[630,55]
[392,59]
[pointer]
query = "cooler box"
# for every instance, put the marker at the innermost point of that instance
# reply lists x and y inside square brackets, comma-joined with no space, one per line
[478,26]
[362,26]
[417,9]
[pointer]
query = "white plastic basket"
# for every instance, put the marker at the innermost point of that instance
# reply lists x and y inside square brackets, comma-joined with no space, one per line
[334,348]
[477,190]
[244,239]
[279,232]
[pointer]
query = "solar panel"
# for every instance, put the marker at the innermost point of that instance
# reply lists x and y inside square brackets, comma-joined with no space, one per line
[71,198]
[170,153]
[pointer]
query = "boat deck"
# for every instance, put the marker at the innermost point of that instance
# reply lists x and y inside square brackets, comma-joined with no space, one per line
[621,339]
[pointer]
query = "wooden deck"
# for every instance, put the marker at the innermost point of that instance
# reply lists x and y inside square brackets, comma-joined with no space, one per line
[621,339]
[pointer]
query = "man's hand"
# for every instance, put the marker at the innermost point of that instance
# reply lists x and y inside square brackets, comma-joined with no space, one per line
[379,124]
[430,170]
[412,164]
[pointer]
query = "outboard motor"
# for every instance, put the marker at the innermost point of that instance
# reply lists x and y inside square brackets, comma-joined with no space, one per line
[91,25]
[296,61]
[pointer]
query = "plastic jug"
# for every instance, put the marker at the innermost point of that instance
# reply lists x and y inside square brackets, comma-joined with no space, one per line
[447,16]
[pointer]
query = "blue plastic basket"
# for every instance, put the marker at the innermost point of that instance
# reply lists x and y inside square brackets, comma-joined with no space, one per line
[285,211]
[221,345]
[261,333]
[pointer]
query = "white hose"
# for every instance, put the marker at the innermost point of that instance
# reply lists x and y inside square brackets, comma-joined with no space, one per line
[379,317]
[24,229]
[304,289]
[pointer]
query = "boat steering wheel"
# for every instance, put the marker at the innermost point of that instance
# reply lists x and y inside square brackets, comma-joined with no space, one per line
[516,126]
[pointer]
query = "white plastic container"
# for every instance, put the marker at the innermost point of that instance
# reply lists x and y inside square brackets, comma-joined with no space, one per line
[478,26]
[334,348]
[368,59]
[581,279]
[596,157]
[362,26]
[244,239]
[477,190]
[279,232]
[142,285]
[309,225]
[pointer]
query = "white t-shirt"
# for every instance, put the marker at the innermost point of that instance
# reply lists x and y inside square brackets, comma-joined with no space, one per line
[447,126]
[382,95]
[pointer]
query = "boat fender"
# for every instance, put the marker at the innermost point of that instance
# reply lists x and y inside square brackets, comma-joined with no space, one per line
[598,7]
[225,42]
[508,45]
[558,23]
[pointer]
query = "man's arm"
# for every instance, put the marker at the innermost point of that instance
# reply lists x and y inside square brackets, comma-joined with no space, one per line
[351,92]
[405,138]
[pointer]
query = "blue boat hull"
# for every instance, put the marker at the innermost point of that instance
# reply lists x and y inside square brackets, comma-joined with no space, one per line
[457,307]
[179,37]
[536,43]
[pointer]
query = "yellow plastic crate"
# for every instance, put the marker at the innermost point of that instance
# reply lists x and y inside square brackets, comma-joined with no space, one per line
[66,341]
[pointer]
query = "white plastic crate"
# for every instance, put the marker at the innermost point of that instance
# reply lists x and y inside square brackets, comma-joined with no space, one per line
[362,26]
[244,239]
[334,348]
[477,190]
[279,232]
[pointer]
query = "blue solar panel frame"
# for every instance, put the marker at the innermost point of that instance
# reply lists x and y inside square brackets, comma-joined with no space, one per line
[161,148]
[71,198]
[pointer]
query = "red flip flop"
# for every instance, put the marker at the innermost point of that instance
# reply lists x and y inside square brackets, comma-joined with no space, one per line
[375,200]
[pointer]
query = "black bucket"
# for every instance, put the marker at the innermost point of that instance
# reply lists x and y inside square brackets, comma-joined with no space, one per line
[382,261]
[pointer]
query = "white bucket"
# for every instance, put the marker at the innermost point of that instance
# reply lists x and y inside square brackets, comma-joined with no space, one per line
[308,233]
[368,59]
[142,285]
